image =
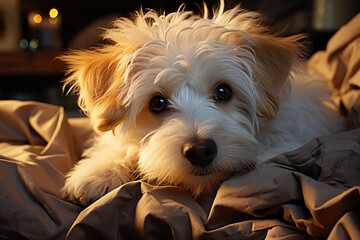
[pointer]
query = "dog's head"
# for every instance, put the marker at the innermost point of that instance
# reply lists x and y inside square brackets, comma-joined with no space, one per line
[192,89]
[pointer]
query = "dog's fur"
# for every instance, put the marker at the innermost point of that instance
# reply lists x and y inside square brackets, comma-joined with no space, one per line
[274,106]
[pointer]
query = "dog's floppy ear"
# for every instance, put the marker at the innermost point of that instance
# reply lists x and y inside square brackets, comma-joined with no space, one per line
[96,75]
[274,59]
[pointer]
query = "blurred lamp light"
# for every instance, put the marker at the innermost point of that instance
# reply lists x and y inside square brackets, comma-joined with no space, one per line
[53,20]
[37,18]
[34,44]
[24,44]
[53,13]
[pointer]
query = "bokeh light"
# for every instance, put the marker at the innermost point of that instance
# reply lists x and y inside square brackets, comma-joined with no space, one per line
[53,13]
[37,18]
[53,20]
[24,44]
[34,44]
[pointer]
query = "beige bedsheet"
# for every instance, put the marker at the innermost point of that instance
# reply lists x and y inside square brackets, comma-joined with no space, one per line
[312,192]
[340,65]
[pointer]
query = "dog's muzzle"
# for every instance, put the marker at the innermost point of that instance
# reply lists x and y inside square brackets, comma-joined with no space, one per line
[200,152]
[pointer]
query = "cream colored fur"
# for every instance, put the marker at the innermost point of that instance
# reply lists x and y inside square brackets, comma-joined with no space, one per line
[183,57]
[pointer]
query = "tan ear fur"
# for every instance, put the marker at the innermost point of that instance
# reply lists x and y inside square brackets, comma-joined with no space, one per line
[96,75]
[275,57]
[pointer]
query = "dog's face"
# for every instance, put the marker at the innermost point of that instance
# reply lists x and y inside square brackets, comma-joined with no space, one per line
[189,90]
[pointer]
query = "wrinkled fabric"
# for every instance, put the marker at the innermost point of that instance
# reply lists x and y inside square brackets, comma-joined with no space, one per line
[340,65]
[312,192]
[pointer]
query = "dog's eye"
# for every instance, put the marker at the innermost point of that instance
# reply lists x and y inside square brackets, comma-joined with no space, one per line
[158,104]
[222,93]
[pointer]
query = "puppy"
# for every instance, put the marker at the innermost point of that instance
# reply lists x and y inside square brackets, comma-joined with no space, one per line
[187,100]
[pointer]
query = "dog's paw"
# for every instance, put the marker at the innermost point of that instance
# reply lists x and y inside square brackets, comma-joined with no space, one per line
[84,186]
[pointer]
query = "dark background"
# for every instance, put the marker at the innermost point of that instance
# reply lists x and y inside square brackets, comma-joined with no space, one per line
[294,14]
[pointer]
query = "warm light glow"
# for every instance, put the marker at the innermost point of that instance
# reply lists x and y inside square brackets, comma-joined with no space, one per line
[37,18]
[53,13]
[53,20]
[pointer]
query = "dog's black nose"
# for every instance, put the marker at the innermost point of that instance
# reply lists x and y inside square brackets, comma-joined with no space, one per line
[200,152]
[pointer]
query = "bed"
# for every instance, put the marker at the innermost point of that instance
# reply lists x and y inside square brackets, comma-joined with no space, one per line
[310,193]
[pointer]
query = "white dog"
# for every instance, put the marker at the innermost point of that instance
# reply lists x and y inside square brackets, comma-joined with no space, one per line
[187,100]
